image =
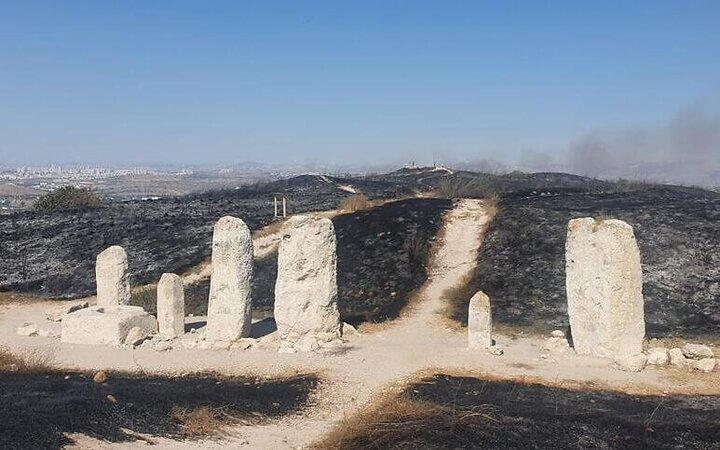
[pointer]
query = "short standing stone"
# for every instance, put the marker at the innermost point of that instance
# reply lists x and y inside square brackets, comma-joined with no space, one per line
[479,322]
[111,275]
[604,288]
[306,288]
[171,305]
[230,303]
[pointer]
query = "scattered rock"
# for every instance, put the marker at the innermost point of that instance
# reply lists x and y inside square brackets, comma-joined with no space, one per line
[705,365]
[697,351]
[163,346]
[557,345]
[495,350]
[633,363]
[349,330]
[111,398]
[100,377]
[658,356]
[28,329]
[558,334]
[136,336]
[677,358]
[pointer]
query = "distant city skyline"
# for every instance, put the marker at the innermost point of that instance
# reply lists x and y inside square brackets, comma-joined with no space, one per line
[588,87]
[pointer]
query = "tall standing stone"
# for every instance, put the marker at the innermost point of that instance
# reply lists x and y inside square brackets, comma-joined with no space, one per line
[479,321]
[111,275]
[171,305]
[604,288]
[230,303]
[306,310]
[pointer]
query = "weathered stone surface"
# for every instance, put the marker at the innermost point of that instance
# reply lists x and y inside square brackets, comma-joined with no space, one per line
[631,363]
[479,322]
[705,365]
[558,334]
[136,336]
[171,305]
[658,356]
[306,288]
[697,351]
[111,275]
[604,288]
[230,303]
[677,358]
[100,325]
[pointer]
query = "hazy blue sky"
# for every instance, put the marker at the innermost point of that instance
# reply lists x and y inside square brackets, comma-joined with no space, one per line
[339,81]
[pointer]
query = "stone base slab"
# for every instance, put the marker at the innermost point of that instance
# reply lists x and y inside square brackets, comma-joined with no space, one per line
[102,325]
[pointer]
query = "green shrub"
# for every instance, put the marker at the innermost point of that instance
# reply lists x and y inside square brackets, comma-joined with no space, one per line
[67,198]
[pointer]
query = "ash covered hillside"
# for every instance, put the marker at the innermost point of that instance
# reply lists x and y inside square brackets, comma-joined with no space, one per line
[522,261]
[53,254]
[382,254]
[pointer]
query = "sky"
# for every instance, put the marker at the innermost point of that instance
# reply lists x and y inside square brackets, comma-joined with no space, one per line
[349,82]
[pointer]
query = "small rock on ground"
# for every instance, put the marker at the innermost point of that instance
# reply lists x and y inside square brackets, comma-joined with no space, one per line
[706,365]
[658,356]
[697,351]
[100,377]
[135,336]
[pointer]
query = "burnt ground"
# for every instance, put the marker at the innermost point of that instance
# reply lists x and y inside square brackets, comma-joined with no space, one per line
[522,261]
[461,412]
[37,408]
[381,259]
[53,254]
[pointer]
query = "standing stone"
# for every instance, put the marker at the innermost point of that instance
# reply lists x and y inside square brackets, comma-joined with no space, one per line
[111,275]
[171,305]
[604,288]
[479,321]
[306,310]
[230,303]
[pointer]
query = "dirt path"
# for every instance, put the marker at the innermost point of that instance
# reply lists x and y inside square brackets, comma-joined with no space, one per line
[374,363]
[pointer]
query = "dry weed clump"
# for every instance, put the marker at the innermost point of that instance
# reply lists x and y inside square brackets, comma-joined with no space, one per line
[466,188]
[405,423]
[31,362]
[198,422]
[354,203]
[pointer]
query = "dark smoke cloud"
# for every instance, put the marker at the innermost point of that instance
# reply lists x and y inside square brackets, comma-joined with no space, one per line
[684,150]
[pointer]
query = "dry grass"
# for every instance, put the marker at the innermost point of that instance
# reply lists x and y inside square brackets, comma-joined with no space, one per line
[273,227]
[354,203]
[397,422]
[465,188]
[34,362]
[199,422]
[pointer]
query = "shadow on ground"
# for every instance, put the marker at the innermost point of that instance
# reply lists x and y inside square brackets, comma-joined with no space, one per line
[37,409]
[461,412]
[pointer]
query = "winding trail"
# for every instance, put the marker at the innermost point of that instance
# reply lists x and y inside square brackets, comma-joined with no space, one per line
[385,360]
